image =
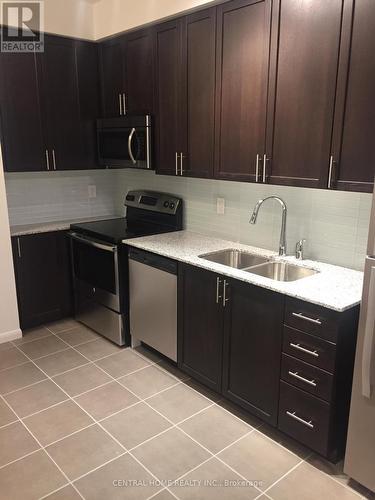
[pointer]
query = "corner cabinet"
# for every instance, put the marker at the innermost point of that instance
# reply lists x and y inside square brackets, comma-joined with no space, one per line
[42,271]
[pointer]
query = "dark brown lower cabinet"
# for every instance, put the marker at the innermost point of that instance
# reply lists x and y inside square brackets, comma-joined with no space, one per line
[42,269]
[200,325]
[252,348]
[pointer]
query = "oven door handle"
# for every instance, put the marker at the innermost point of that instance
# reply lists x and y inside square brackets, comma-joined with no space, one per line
[92,243]
[130,138]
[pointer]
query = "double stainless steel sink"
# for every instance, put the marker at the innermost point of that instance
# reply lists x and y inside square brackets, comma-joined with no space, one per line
[256,264]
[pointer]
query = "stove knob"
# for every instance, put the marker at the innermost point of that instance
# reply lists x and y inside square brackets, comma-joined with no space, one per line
[166,204]
[171,205]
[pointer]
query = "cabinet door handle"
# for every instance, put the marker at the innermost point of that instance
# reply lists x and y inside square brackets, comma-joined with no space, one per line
[306,318]
[225,299]
[181,164]
[265,160]
[218,296]
[19,248]
[124,103]
[331,164]
[257,168]
[303,379]
[54,159]
[303,349]
[177,157]
[47,159]
[120,103]
[292,414]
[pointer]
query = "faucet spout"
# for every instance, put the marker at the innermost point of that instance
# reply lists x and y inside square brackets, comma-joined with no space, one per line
[254,216]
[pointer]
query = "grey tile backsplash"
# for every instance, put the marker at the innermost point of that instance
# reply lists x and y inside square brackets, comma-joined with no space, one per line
[334,223]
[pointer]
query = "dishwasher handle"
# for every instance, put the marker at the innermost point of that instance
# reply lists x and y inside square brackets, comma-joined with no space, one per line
[153,260]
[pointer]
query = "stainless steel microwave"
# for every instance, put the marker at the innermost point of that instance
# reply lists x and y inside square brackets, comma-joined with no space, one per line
[125,142]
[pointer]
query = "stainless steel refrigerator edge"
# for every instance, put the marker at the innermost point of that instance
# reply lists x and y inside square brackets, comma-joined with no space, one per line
[360,449]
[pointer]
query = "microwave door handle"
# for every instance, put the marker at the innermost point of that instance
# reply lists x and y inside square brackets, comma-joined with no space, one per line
[130,146]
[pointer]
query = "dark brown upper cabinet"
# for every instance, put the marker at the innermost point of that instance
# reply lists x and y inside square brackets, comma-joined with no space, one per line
[185,95]
[353,151]
[303,91]
[126,69]
[22,133]
[49,105]
[242,55]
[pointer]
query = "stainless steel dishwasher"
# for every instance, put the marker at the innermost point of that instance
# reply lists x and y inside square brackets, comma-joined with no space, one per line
[153,301]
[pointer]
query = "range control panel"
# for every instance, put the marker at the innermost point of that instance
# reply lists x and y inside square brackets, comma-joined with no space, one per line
[153,201]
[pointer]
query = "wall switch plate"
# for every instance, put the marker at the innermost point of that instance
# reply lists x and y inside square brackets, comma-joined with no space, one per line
[220,206]
[92,191]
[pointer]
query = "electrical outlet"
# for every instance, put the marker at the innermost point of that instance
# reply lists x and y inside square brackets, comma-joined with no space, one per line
[92,191]
[220,206]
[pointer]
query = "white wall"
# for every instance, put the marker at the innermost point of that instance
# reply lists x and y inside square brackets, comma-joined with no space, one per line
[9,323]
[115,16]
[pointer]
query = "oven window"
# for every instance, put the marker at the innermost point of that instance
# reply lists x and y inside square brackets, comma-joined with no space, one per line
[94,266]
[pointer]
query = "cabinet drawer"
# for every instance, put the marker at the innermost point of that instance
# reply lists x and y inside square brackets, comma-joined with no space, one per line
[310,349]
[312,319]
[307,377]
[304,417]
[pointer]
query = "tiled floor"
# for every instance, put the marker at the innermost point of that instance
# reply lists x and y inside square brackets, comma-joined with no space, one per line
[82,418]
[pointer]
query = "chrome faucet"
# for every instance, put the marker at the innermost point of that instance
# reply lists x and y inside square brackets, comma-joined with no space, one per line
[282,245]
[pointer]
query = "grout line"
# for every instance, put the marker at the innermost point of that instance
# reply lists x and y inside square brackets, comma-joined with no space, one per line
[44,355]
[2,370]
[8,424]
[44,409]
[284,475]
[54,491]
[17,459]
[25,387]
[99,466]
[13,342]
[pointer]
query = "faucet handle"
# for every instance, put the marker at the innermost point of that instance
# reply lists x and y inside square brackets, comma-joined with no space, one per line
[299,249]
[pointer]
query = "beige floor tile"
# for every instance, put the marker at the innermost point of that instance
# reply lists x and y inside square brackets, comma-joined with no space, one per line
[35,398]
[104,401]
[82,379]
[163,495]
[178,403]
[19,376]
[308,483]
[57,422]
[67,493]
[98,349]
[286,441]
[60,362]
[150,355]
[4,346]
[259,459]
[148,382]
[122,363]
[15,442]
[172,369]
[33,334]
[84,451]
[62,325]
[170,455]
[214,480]
[42,347]
[203,390]
[136,424]
[241,414]
[215,428]
[11,357]
[99,484]
[6,414]
[78,335]
[30,478]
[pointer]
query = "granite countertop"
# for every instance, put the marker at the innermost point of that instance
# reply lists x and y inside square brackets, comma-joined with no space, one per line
[334,287]
[47,227]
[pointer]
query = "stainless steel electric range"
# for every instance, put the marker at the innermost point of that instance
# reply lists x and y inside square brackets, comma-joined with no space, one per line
[100,261]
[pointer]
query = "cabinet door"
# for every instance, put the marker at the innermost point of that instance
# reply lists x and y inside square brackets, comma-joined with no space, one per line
[200,326]
[62,103]
[112,77]
[22,134]
[307,64]
[42,266]
[168,81]
[252,349]
[353,148]
[139,72]
[199,94]
[243,41]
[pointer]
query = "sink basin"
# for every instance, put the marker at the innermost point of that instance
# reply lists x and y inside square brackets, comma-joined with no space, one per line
[234,258]
[282,271]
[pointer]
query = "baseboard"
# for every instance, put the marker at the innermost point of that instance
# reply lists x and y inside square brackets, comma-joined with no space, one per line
[12,335]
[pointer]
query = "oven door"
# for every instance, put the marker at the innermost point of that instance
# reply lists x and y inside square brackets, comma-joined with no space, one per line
[124,146]
[95,271]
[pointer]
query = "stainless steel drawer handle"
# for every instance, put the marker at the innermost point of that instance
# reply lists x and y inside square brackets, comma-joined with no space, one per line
[299,419]
[306,318]
[218,296]
[303,379]
[225,299]
[303,349]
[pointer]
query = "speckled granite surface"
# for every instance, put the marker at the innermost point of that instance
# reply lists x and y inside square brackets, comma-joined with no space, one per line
[47,227]
[334,287]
